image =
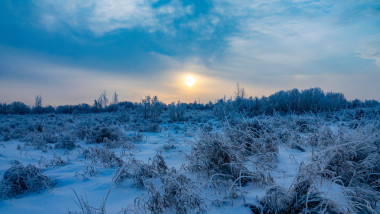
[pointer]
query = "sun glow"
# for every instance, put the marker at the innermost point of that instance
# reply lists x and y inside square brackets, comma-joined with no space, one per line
[189,81]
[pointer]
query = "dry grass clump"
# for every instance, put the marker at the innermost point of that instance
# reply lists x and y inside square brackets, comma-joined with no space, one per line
[354,162]
[99,133]
[171,143]
[88,171]
[85,207]
[19,179]
[347,157]
[167,190]
[66,142]
[55,161]
[175,193]
[253,138]
[302,196]
[323,137]
[47,141]
[102,156]
[215,155]
[146,126]
[159,164]
[139,172]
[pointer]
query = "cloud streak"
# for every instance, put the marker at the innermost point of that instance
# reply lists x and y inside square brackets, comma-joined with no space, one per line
[102,17]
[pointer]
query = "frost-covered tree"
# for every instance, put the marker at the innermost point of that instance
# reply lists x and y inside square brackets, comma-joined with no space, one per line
[177,112]
[37,109]
[97,105]
[38,101]
[102,101]
[103,95]
[151,108]
[240,92]
[115,98]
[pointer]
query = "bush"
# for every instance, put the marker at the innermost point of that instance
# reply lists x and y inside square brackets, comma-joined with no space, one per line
[66,142]
[55,161]
[150,108]
[177,112]
[177,194]
[222,109]
[102,156]
[252,137]
[354,160]
[19,179]
[139,171]
[302,197]
[19,108]
[219,158]
[99,133]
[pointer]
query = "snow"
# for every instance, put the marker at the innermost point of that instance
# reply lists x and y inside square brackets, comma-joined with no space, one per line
[61,198]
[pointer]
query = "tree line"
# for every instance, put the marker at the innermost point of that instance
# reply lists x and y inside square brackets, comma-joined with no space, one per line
[292,101]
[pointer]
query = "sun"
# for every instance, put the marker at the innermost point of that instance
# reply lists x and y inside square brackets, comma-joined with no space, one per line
[189,81]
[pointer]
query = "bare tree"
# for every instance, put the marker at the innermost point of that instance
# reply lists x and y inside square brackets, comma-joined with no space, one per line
[103,100]
[240,92]
[38,101]
[99,102]
[115,98]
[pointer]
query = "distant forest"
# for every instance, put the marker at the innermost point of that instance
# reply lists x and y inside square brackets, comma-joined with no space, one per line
[313,100]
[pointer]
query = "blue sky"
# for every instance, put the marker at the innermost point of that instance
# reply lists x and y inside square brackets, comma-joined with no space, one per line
[69,51]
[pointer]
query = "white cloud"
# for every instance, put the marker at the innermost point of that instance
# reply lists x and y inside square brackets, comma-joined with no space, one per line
[294,36]
[101,16]
[370,49]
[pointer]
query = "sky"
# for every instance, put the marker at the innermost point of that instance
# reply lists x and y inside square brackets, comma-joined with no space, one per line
[69,51]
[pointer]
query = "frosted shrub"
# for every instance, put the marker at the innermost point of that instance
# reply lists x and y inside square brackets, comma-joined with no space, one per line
[55,161]
[37,141]
[137,171]
[146,126]
[302,197]
[102,156]
[150,108]
[66,142]
[97,132]
[177,112]
[253,138]
[159,164]
[354,160]
[111,136]
[215,155]
[222,109]
[19,179]
[323,137]
[304,125]
[101,133]
[171,143]
[140,172]
[107,133]
[125,141]
[176,193]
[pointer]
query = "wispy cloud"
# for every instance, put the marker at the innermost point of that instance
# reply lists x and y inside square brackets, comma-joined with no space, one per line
[104,16]
[370,49]
[300,37]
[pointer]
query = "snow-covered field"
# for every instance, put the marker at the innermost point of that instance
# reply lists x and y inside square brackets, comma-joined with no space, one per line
[120,163]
